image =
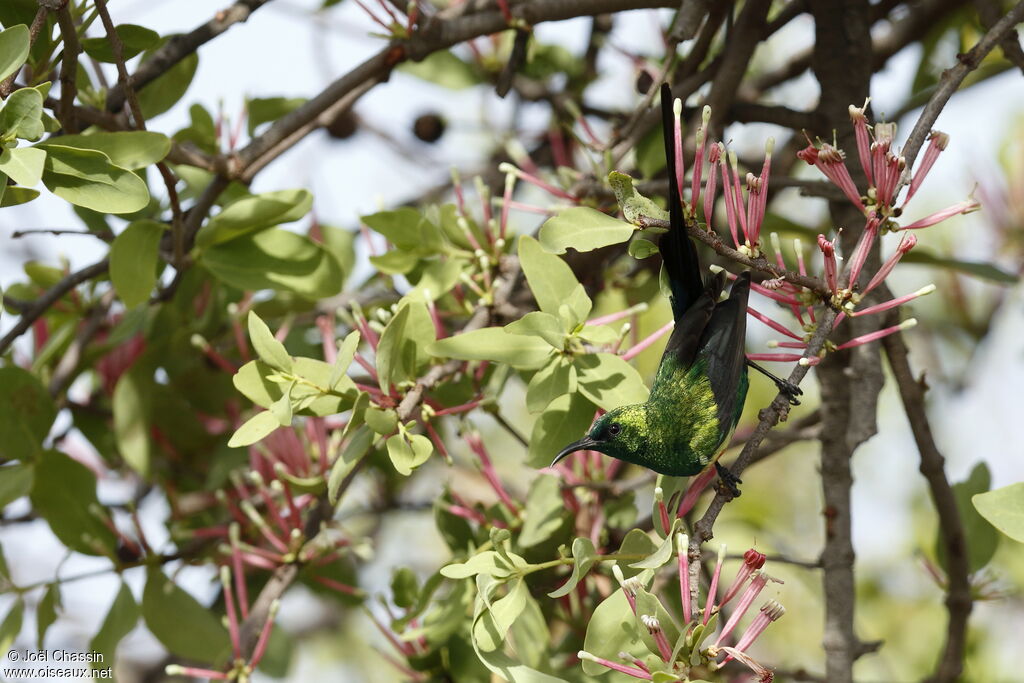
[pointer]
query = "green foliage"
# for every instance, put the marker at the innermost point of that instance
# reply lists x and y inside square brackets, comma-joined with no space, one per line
[444,69]
[583,229]
[183,625]
[1004,509]
[254,213]
[26,413]
[134,40]
[133,261]
[14,44]
[64,494]
[120,620]
[87,178]
[981,537]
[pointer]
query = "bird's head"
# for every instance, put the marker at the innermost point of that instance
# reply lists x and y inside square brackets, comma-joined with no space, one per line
[620,433]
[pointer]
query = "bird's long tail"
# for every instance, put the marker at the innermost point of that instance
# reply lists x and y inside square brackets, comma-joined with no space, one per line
[677,250]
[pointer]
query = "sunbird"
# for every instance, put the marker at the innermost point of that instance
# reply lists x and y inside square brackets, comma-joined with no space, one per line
[701,383]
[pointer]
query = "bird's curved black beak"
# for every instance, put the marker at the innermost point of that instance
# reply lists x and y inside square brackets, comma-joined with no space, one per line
[586,443]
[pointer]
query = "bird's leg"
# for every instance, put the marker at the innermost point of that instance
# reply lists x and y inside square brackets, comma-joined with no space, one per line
[786,387]
[729,480]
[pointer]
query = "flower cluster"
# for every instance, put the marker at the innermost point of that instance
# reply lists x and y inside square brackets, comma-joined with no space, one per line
[680,650]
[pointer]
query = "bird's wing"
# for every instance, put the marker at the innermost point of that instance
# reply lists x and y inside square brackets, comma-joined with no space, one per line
[677,251]
[722,346]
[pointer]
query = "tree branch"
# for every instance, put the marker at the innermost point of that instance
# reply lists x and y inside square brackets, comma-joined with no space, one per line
[951,530]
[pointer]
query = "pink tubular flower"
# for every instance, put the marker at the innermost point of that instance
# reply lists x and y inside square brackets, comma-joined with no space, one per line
[683,554]
[677,127]
[937,142]
[698,163]
[905,245]
[748,597]
[770,611]
[863,248]
[752,561]
[828,249]
[713,588]
[654,628]
[860,128]
[714,155]
[730,199]
[878,334]
[966,206]
[615,666]
[829,160]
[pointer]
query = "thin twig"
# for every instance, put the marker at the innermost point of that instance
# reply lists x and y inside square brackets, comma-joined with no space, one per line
[68,69]
[39,306]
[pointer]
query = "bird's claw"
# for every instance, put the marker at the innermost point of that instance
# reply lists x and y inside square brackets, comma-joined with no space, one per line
[729,480]
[790,390]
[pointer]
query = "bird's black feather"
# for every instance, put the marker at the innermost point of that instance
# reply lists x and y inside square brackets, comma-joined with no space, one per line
[722,344]
[677,250]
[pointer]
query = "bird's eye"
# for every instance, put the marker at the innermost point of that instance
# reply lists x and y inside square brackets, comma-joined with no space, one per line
[614,429]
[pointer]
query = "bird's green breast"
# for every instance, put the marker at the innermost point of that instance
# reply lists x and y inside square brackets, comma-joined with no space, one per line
[684,434]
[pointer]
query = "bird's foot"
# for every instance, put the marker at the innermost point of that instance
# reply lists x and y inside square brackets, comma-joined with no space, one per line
[790,391]
[729,480]
[785,387]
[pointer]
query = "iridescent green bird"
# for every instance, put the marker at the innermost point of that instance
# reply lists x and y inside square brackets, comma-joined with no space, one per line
[701,384]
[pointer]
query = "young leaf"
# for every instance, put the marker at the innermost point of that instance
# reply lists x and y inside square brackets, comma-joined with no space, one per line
[22,115]
[550,278]
[46,612]
[407,229]
[583,558]
[14,45]
[270,351]
[540,324]
[266,109]
[23,164]
[583,229]
[545,511]
[494,344]
[662,555]
[1004,509]
[346,352]
[133,260]
[407,452]
[555,379]
[609,381]
[389,349]
[86,178]
[256,428]
[133,149]
[254,213]
[444,69]
[357,447]
[489,635]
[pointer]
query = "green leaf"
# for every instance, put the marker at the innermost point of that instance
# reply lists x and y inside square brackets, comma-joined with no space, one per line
[407,452]
[22,115]
[357,447]
[444,69]
[636,543]
[641,248]
[404,587]
[634,205]
[566,419]
[609,381]
[540,324]
[1004,509]
[382,421]
[986,271]
[46,612]
[550,278]
[256,428]
[132,150]
[407,229]
[489,635]
[269,350]
[650,153]
[133,259]
[13,196]
[611,629]
[180,622]
[981,538]
[649,605]
[389,349]
[487,562]
[275,259]
[11,626]
[64,494]
[131,404]
[494,344]
[26,414]
[163,92]
[24,164]
[14,45]
[395,262]
[662,555]
[545,511]
[134,39]
[15,482]
[346,352]
[583,229]
[87,178]
[267,109]
[555,379]
[437,279]
[120,621]
[254,213]
[584,556]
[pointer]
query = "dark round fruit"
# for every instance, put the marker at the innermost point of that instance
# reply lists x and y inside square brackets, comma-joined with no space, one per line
[343,126]
[644,81]
[428,127]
